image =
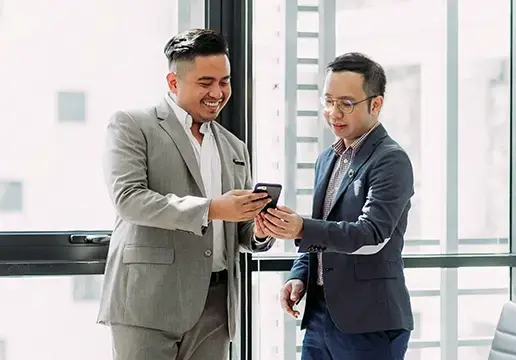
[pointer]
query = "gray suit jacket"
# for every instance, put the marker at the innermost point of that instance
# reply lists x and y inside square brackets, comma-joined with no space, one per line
[364,292]
[159,262]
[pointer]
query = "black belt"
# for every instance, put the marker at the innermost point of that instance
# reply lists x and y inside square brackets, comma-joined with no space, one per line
[220,277]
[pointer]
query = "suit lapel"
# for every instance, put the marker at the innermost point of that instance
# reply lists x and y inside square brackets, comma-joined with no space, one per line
[172,126]
[363,154]
[326,168]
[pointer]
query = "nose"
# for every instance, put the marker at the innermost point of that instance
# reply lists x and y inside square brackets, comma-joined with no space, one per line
[335,112]
[216,92]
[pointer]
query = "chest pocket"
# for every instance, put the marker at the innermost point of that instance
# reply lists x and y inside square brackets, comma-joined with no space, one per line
[240,173]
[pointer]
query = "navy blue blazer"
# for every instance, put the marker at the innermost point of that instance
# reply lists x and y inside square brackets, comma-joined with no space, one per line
[362,239]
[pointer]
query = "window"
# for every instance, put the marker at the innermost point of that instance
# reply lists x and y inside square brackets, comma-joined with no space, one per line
[361,4]
[417,112]
[89,73]
[57,70]
[11,196]
[283,338]
[447,104]
[71,106]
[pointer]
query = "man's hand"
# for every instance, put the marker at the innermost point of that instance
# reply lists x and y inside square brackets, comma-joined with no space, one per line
[260,232]
[283,223]
[291,293]
[237,205]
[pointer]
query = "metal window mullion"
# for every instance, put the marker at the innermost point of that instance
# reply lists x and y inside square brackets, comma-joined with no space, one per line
[231,17]
[512,173]
[327,44]
[449,277]
[290,103]
[290,160]
[191,14]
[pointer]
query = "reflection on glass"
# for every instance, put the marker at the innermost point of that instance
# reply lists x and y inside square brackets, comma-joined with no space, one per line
[55,317]
[65,69]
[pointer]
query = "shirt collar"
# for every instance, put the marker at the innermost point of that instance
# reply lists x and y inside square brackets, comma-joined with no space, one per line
[339,147]
[184,118]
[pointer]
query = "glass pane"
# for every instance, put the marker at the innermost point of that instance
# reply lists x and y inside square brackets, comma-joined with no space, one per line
[60,324]
[307,21]
[283,337]
[88,61]
[474,352]
[307,73]
[481,288]
[484,80]
[415,111]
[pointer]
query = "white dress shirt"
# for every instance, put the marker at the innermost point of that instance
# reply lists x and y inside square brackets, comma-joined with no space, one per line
[208,158]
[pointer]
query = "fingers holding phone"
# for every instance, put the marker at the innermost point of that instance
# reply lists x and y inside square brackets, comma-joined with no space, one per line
[237,205]
[272,190]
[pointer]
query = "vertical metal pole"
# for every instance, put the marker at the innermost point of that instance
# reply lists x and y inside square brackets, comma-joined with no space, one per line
[189,12]
[291,102]
[449,277]
[327,44]
[291,14]
[232,19]
[512,154]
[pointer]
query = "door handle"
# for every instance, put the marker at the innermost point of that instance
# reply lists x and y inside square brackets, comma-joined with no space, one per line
[99,239]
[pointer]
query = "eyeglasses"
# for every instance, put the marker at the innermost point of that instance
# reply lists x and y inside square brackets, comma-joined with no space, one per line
[345,106]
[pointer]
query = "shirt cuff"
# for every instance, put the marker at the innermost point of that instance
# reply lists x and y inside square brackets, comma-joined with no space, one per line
[205,220]
[259,241]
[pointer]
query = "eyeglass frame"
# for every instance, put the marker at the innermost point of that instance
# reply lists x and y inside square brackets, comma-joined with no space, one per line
[353,104]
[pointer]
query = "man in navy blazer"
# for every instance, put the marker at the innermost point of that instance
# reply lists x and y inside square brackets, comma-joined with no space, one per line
[357,306]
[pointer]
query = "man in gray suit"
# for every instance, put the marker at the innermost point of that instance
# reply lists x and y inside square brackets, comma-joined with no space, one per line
[171,284]
[357,306]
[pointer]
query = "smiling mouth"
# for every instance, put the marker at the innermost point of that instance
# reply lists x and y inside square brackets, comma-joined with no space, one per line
[212,105]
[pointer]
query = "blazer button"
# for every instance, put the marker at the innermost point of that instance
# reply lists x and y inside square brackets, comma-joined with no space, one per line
[207,253]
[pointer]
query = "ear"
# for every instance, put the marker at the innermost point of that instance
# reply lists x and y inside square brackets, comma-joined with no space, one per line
[172,82]
[376,105]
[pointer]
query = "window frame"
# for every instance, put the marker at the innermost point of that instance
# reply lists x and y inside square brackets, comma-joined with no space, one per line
[54,253]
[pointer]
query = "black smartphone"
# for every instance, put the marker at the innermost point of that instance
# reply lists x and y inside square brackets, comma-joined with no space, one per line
[274,191]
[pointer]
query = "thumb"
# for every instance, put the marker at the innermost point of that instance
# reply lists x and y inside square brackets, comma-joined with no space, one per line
[239,192]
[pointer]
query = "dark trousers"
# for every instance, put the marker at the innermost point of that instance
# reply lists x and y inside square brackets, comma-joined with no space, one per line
[324,341]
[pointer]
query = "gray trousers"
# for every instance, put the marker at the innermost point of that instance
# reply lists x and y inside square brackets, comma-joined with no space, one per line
[208,339]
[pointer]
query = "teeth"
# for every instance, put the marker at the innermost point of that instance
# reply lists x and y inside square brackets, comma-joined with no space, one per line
[211,104]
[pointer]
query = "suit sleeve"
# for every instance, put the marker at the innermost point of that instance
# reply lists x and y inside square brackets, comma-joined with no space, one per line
[125,173]
[247,241]
[300,268]
[390,189]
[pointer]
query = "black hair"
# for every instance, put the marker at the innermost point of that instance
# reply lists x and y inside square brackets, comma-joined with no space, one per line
[374,75]
[189,44]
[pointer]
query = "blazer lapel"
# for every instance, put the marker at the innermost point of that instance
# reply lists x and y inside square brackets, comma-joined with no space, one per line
[363,154]
[172,126]
[326,169]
